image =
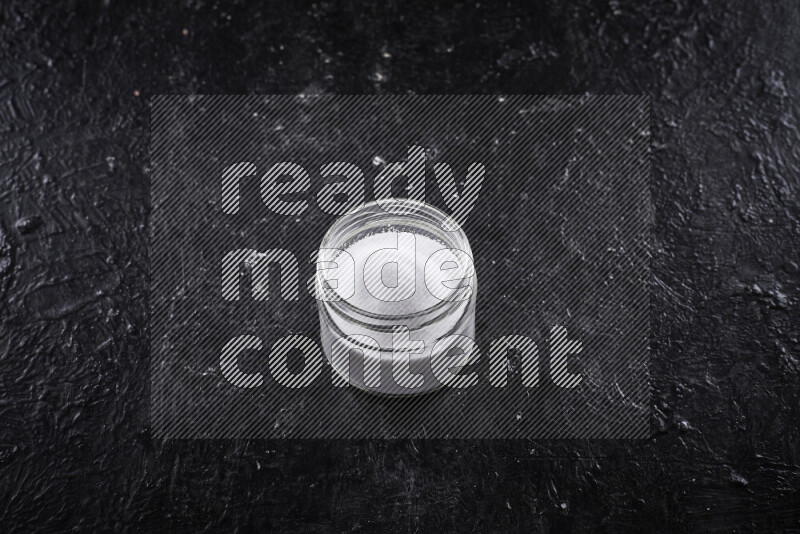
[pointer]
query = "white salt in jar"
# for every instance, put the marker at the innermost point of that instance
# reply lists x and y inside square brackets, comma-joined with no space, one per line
[395,286]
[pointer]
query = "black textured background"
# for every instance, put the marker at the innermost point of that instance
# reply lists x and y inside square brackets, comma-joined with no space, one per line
[75,451]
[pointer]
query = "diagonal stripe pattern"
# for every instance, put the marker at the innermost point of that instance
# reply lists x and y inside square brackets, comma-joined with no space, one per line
[553,193]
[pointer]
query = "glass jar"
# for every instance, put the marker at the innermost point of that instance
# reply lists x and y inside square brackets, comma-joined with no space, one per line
[376,332]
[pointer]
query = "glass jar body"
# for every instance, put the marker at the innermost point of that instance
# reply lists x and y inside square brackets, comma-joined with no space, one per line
[383,343]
